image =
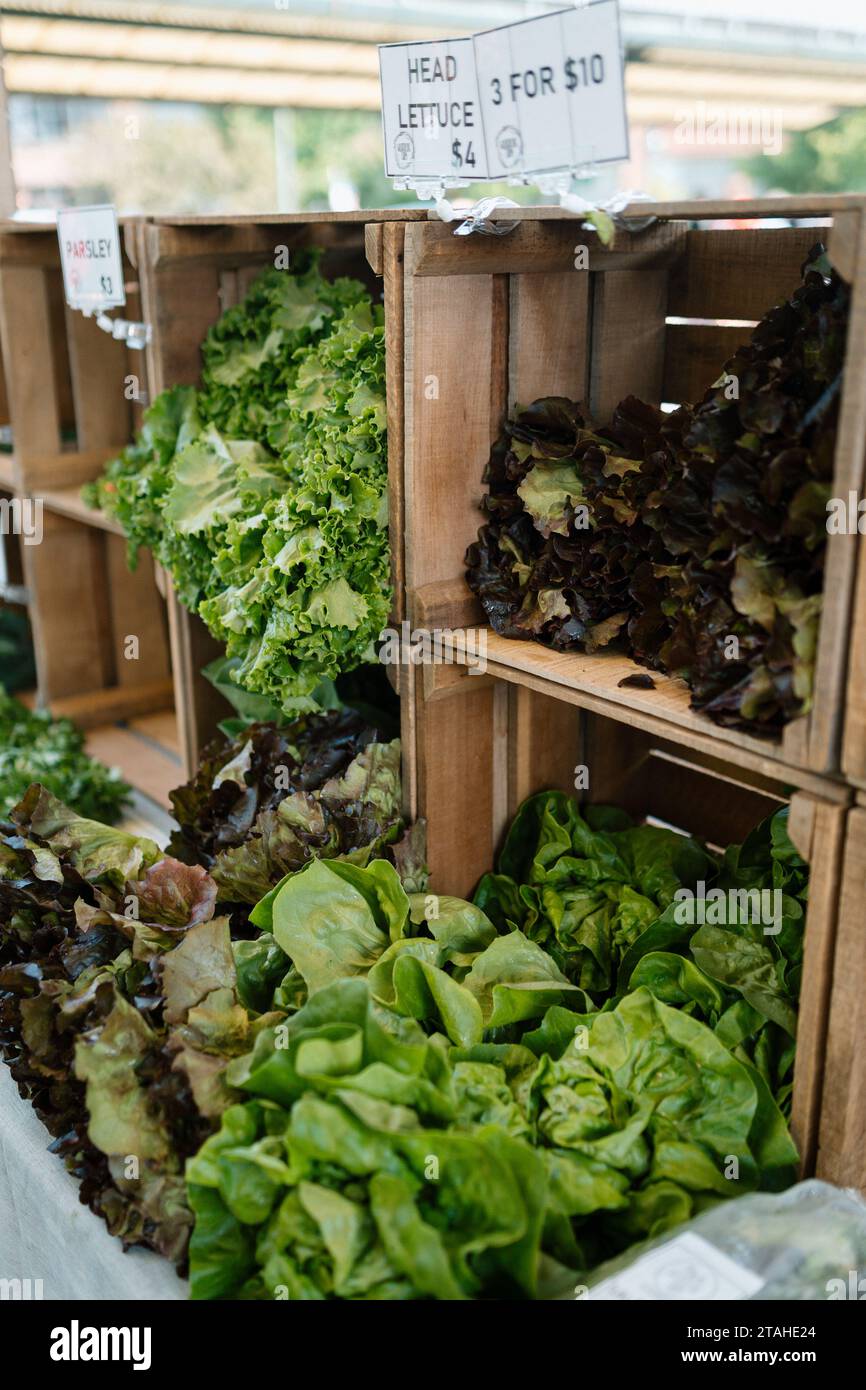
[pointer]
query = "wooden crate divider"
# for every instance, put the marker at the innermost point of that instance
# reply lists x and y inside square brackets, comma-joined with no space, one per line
[482,745]
[842,1138]
[492,322]
[72,405]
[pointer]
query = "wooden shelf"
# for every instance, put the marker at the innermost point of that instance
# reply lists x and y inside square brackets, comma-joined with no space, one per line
[593,683]
[150,766]
[67,501]
[114,702]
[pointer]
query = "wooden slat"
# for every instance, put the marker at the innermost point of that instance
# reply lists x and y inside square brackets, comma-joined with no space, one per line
[65,472]
[97,364]
[842,242]
[57,311]
[695,355]
[159,727]
[5,416]
[501,778]
[702,209]
[113,703]
[854,747]
[456,751]
[835,633]
[31,248]
[199,707]
[68,502]
[824,854]
[842,1138]
[448,424]
[454,402]
[292,219]
[649,777]
[374,247]
[449,603]
[537,246]
[794,742]
[544,745]
[593,682]
[440,679]
[548,350]
[738,273]
[180,303]
[66,579]
[25,329]
[615,756]
[237,243]
[8,472]
[718,808]
[136,611]
[388,251]
[409,742]
[628,338]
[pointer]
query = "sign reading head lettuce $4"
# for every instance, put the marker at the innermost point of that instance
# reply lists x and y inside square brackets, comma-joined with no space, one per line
[430,111]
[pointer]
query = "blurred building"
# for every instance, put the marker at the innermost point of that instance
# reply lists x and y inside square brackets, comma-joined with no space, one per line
[248,104]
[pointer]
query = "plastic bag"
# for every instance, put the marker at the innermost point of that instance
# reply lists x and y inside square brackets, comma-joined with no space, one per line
[804,1244]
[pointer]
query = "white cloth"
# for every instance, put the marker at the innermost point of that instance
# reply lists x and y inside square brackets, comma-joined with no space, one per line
[46,1233]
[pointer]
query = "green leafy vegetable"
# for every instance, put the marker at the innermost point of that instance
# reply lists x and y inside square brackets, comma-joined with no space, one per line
[619,906]
[369,1167]
[586,888]
[34,747]
[695,540]
[264,493]
[646,1115]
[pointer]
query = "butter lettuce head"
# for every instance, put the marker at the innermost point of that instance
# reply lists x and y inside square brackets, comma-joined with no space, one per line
[587,883]
[434,959]
[366,1167]
[648,1117]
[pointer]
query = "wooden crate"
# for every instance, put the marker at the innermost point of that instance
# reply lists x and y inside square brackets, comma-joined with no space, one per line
[492,321]
[854,745]
[481,745]
[842,1138]
[71,406]
[192,270]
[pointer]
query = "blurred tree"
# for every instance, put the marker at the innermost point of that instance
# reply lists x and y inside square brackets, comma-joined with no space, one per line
[149,159]
[344,146]
[829,159]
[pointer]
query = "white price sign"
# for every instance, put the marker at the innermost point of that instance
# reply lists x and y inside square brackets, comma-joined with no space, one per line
[90,255]
[552,91]
[430,111]
[686,1268]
